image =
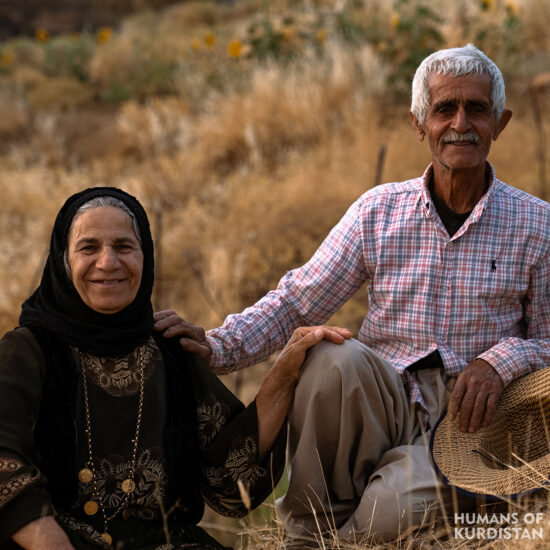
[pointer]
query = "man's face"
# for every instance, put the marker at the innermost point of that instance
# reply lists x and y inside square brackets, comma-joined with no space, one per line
[460,123]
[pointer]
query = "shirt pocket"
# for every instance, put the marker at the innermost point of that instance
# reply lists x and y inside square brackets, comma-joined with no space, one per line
[501,286]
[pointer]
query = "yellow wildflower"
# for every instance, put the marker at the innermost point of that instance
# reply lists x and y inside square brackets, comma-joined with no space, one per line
[104,34]
[394,20]
[512,8]
[42,35]
[235,48]
[321,35]
[486,4]
[196,43]
[7,59]
[210,40]
[383,46]
[288,34]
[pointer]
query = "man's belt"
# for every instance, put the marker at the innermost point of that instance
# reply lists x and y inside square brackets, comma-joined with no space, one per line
[431,361]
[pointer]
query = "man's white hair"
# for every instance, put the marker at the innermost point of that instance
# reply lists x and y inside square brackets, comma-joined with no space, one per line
[455,62]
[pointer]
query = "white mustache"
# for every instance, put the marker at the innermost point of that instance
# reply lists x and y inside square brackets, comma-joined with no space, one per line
[454,136]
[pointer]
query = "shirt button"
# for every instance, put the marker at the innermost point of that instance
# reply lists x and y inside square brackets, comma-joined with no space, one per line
[444,289]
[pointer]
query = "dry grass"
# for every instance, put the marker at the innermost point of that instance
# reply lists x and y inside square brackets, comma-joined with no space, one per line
[435,532]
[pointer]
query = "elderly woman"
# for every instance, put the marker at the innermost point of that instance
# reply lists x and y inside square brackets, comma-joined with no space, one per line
[111,435]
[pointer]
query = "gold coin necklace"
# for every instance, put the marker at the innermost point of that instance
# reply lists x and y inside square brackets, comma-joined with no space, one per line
[88,474]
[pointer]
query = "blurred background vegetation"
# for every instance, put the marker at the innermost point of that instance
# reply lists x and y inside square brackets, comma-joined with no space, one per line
[246,128]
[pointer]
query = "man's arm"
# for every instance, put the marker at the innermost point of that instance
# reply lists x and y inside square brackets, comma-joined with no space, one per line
[305,297]
[475,395]
[193,339]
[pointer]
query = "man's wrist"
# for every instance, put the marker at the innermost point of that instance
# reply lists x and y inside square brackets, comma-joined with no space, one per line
[502,369]
[216,352]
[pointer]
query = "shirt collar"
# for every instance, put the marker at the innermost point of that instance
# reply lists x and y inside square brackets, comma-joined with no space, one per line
[427,202]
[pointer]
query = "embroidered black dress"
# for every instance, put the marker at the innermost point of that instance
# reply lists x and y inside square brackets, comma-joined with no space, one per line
[226,447]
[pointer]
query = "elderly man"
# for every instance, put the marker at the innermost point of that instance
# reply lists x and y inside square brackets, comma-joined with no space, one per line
[459,306]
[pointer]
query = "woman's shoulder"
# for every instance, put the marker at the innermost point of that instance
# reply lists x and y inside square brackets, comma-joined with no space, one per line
[20,337]
[20,345]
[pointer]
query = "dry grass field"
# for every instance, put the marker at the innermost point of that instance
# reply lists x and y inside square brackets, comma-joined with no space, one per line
[246,130]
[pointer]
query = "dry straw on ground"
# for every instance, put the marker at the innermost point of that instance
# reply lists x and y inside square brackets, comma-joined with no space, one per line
[436,531]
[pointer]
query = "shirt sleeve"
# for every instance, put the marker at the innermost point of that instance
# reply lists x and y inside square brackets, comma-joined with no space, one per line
[23,496]
[514,357]
[305,296]
[235,480]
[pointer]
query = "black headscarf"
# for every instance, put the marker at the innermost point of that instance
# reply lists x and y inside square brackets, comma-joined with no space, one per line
[57,307]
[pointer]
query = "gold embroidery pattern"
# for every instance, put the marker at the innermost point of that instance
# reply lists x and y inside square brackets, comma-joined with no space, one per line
[223,495]
[87,532]
[240,464]
[211,416]
[221,491]
[13,486]
[151,480]
[119,376]
[9,465]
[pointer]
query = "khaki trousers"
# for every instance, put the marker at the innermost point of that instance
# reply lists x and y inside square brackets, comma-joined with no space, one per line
[358,457]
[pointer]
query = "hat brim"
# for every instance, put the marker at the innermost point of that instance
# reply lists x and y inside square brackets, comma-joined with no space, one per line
[473,462]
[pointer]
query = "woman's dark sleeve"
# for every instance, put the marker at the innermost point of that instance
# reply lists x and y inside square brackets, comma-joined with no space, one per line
[228,444]
[23,497]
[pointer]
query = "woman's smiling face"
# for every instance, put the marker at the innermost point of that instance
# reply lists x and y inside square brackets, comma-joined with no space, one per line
[105,259]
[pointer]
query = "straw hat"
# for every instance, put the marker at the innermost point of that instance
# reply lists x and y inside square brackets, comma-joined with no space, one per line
[508,457]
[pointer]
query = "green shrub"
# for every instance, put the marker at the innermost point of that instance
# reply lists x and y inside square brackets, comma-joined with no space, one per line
[414,35]
[69,55]
[25,51]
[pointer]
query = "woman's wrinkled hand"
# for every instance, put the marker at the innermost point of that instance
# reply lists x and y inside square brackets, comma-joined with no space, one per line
[42,534]
[191,337]
[277,391]
[291,358]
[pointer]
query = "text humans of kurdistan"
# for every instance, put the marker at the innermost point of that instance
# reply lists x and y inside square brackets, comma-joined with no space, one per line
[484,519]
[499,532]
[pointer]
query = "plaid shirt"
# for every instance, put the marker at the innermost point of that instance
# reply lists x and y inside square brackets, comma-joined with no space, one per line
[484,293]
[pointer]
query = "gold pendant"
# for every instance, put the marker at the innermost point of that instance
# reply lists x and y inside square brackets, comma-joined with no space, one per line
[91,507]
[128,485]
[107,538]
[85,475]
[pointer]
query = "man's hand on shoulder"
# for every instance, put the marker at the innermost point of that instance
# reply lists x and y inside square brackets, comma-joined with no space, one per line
[192,337]
[475,395]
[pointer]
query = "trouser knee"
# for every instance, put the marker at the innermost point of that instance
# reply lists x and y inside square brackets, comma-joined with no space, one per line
[328,365]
